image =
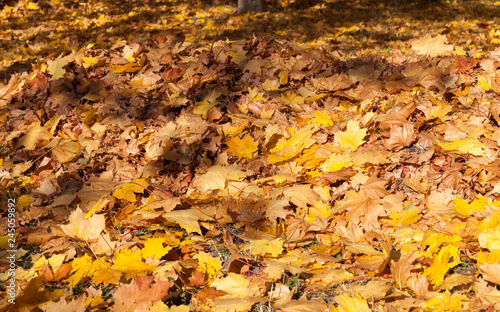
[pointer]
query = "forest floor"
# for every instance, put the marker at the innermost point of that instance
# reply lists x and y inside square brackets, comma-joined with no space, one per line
[320,156]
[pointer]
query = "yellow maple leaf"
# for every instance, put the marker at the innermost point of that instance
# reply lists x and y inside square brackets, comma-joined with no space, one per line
[254,94]
[103,273]
[128,190]
[346,303]
[445,302]
[484,82]
[445,259]
[466,146]
[238,286]
[432,242]
[291,99]
[39,134]
[130,263]
[490,239]
[319,210]
[217,177]
[80,268]
[154,247]
[209,265]
[263,247]
[322,118]
[405,217]
[242,148]
[84,229]
[352,138]
[336,162]
[201,108]
[287,149]
[271,84]
[465,209]
[55,68]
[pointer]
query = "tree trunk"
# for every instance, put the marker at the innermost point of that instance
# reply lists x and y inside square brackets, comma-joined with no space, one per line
[250,6]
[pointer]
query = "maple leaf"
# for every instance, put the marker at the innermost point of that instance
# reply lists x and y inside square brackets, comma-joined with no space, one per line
[432,46]
[347,303]
[263,247]
[84,229]
[446,302]
[80,268]
[287,149]
[352,138]
[236,304]
[465,209]
[153,246]
[127,190]
[238,286]
[77,305]
[217,177]
[466,146]
[242,148]
[322,118]
[67,151]
[445,259]
[490,239]
[130,262]
[39,134]
[187,219]
[209,265]
[254,94]
[401,269]
[140,295]
[55,68]
[400,137]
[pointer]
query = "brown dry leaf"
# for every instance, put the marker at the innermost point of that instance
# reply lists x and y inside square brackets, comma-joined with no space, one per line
[157,146]
[398,118]
[400,137]
[334,83]
[490,272]
[416,182]
[361,209]
[239,286]
[432,46]
[62,305]
[375,187]
[217,177]
[67,151]
[140,295]
[401,269]
[375,290]
[299,195]
[236,304]
[304,305]
[420,286]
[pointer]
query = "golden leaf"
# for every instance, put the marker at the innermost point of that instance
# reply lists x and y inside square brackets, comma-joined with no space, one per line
[352,138]
[442,262]
[130,263]
[346,303]
[154,247]
[242,148]
[84,229]
[264,247]
[209,265]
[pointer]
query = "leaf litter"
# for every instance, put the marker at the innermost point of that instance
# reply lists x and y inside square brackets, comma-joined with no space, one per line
[171,174]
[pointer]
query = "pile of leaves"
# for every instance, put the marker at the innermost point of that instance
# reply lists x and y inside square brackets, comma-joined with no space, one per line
[255,174]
